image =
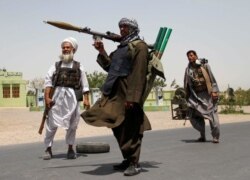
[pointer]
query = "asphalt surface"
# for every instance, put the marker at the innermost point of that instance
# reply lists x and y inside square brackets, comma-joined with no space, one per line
[168,154]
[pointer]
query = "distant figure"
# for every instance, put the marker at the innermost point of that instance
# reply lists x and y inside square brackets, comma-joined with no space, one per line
[202,96]
[68,80]
[121,104]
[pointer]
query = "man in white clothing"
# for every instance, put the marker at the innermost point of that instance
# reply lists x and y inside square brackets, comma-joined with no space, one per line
[67,80]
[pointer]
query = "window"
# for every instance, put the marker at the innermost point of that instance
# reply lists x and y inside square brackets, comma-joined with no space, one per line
[6,90]
[15,90]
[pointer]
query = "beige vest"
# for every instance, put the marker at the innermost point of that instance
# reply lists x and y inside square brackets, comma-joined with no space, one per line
[207,79]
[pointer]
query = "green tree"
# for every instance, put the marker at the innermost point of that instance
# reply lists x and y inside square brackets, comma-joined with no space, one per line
[96,79]
[242,97]
[174,84]
[232,101]
[248,97]
[159,82]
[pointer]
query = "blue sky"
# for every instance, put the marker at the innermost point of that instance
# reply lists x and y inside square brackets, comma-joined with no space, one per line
[217,29]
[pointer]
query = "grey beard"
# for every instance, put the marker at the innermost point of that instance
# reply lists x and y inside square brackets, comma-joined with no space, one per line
[66,58]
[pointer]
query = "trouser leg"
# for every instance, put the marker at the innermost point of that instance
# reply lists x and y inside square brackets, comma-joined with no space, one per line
[129,136]
[49,136]
[198,123]
[215,125]
[71,131]
[130,148]
[70,136]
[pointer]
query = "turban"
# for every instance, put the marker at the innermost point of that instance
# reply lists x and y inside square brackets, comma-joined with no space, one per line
[72,41]
[129,22]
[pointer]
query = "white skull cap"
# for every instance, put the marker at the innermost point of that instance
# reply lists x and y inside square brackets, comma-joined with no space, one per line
[72,41]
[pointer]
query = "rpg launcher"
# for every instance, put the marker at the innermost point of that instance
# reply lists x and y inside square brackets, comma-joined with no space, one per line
[108,35]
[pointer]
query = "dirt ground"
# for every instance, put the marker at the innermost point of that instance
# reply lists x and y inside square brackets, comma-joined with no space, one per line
[19,125]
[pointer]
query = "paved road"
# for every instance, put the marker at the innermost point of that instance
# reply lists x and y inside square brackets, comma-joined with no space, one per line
[168,154]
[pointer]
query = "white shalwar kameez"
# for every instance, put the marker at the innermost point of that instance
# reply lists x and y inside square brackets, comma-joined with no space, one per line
[65,112]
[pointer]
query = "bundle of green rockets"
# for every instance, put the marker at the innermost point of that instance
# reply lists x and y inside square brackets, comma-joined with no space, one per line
[161,41]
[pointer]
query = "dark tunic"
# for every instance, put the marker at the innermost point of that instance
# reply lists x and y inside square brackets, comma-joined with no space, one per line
[127,125]
[109,110]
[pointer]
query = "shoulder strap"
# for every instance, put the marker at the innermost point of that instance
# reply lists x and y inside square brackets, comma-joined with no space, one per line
[132,45]
[207,78]
[76,65]
[56,73]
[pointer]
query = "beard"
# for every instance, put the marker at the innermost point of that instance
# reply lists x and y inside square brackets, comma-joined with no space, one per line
[67,58]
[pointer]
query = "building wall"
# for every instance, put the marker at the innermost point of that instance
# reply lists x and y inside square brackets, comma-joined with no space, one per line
[159,100]
[156,100]
[12,79]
